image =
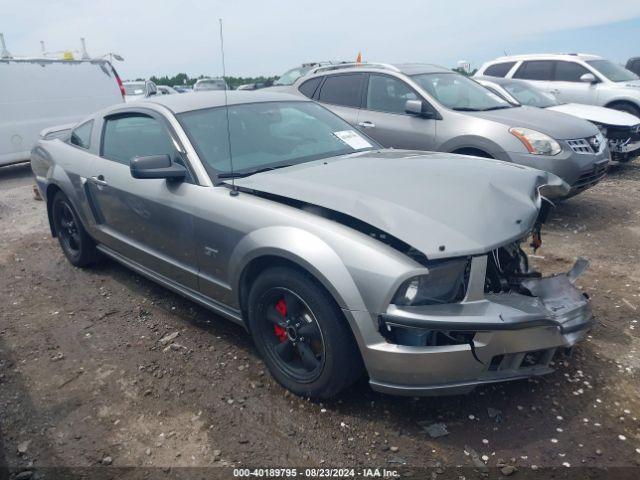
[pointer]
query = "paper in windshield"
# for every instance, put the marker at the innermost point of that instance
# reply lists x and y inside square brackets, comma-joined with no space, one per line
[352,139]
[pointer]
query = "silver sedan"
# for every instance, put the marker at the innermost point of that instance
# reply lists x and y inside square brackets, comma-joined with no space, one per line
[339,257]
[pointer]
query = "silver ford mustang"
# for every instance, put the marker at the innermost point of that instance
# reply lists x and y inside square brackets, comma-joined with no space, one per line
[336,255]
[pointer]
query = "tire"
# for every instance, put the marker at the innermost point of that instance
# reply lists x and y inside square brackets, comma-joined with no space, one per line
[278,330]
[626,107]
[472,152]
[76,244]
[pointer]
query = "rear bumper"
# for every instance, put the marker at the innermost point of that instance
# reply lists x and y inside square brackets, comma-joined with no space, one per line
[514,336]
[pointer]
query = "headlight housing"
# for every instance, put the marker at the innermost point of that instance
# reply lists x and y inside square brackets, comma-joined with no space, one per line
[535,142]
[602,128]
[445,283]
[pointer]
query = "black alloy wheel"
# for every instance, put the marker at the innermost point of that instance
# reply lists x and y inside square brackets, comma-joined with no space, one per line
[294,340]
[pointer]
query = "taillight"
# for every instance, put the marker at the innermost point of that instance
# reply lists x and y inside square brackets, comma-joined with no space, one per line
[119,82]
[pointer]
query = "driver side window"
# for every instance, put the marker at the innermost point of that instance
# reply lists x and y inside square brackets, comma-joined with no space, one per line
[125,137]
[388,94]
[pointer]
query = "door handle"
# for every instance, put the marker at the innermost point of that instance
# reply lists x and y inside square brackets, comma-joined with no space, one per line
[99,180]
[555,91]
[366,124]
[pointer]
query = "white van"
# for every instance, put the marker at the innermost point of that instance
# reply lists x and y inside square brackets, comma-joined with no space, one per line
[40,93]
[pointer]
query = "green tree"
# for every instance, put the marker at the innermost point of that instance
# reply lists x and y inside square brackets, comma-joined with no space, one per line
[184,79]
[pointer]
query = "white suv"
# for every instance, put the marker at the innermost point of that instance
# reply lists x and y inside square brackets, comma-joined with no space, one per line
[573,78]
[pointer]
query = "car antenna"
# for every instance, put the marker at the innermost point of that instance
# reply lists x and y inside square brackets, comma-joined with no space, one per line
[234,189]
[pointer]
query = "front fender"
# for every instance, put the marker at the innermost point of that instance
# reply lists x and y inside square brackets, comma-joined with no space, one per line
[634,100]
[474,141]
[304,249]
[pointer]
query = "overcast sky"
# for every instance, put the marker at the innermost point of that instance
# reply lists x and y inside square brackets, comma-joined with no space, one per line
[269,36]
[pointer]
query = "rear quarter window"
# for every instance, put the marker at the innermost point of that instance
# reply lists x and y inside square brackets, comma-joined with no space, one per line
[309,87]
[499,69]
[81,135]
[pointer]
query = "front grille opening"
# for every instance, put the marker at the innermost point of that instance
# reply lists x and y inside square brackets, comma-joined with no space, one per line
[418,337]
[580,145]
[588,145]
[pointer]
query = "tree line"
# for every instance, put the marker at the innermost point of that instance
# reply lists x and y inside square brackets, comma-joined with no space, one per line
[184,79]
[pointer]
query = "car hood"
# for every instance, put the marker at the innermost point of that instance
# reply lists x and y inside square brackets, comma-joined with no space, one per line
[593,113]
[443,205]
[555,124]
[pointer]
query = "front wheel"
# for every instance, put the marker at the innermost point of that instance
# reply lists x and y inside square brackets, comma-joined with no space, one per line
[301,334]
[626,107]
[76,244]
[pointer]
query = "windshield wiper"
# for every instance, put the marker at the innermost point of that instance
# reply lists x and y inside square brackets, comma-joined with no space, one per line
[252,172]
[465,109]
[499,107]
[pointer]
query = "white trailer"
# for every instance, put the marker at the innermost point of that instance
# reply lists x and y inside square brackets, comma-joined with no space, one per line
[36,93]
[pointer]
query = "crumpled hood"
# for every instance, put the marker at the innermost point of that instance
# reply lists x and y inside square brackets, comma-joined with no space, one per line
[467,205]
[555,124]
[593,113]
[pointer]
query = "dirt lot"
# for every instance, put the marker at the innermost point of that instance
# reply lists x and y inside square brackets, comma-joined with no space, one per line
[86,382]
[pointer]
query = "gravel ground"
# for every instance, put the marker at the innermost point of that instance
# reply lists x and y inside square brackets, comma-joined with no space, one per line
[87,378]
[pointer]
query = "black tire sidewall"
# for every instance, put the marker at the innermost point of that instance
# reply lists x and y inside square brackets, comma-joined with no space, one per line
[625,107]
[341,358]
[87,253]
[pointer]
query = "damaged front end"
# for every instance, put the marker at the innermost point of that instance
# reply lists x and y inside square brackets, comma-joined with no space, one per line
[505,322]
[624,141]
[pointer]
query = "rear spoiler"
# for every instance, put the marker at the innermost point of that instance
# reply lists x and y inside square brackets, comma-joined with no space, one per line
[56,132]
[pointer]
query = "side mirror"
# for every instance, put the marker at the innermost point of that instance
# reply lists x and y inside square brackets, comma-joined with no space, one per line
[588,78]
[419,108]
[156,166]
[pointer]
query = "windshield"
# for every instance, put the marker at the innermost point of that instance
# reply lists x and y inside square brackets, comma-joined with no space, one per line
[612,71]
[211,85]
[269,135]
[292,75]
[134,88]
[528,95]
[457,92]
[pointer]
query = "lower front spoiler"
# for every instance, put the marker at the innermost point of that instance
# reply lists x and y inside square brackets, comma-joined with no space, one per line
[499,338]
[459,388]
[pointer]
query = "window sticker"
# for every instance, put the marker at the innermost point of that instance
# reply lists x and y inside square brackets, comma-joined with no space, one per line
[352,139]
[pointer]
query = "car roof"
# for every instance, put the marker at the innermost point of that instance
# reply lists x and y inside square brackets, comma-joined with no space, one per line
[547,56]
[404,68]
[418,68]
[211,99]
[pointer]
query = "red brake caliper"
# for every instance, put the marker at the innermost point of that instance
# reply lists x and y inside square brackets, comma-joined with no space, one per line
[281,333]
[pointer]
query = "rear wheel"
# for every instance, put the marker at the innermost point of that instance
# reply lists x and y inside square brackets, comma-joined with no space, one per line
[301,334]
[76,244]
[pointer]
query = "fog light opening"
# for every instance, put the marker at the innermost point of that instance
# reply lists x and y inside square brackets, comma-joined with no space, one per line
[418,337]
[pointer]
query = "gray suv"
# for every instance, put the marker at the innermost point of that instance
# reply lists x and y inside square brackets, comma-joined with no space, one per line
[427,107]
